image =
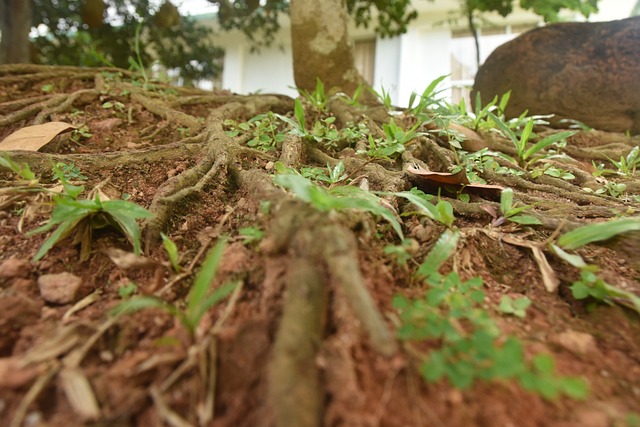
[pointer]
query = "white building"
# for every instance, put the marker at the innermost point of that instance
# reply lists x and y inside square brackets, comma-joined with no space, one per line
[437,43]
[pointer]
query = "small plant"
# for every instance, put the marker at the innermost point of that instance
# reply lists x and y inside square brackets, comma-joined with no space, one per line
[263,128]
[81,217]
[393,143]
[329,175]
[427,98]
[554,171]
[172,252]
[338,198]
[517,307]
[317,98]
[21,169]
[401,253]
[627,165]
[613,189]
[441,212]
[81,133]
[511,212]
[250,235]
[117,105]
[136,64]
[525,155]
[127,291]
[70,172]
[384,97]
[353,100]
[590,284]
[464,342]
[48,88]
[199,299]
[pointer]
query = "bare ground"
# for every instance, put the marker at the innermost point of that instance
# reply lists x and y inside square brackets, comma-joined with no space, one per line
[296,344]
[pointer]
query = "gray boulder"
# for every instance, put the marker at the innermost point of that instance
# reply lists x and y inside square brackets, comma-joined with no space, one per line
[583,71]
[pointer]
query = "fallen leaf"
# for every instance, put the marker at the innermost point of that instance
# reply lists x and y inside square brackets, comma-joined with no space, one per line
[79,393]
[33,138]
[128,260]
[426,179]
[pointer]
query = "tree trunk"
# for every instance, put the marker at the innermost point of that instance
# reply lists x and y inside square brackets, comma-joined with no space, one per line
[322,48]
[15,24]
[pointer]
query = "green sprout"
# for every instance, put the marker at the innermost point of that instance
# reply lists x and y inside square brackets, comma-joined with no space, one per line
[199,299]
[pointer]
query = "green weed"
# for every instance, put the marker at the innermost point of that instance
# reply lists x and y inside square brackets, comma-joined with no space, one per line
[512,212]
[525,154]
[199,299]
[338,198]
[590,284]
[517,307]
[263,128]
[317,98]
[627,165]
[329,175]
[465,343]
[441,212]
[250,235]
[172,252]
[80,217]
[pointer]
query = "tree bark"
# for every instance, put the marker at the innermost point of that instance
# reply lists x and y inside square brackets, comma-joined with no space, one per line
[322,48]
[15,24]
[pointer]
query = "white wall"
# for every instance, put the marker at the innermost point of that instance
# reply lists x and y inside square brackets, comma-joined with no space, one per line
[425,55]
[403,64]
[270,70]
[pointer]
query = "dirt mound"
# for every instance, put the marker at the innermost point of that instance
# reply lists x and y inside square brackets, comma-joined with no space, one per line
[322,323]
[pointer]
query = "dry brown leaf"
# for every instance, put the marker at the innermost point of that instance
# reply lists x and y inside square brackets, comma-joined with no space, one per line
[128,260]
[426,179]
[79,393]
[33,138]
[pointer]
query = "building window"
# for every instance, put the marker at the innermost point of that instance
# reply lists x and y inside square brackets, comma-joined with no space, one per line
[364,54]
[463,57]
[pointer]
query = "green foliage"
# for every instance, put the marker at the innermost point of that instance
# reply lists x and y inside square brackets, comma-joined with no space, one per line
[517,307]
[393,144]
[81,133]
[441,212]
[444,247]
[250,235]
[172,252]
[525,154]
[627,165]
[263,128]
[199,299]
[613,189]
[551,170]
[70,40]
[317,98]
[465,342]
[338,198]
[512,212]
[384,97]
[81,217]
[401,253]
[329,175]
[590,284]
[548,9]
[21,169]
[597,232]
[427,98]
[70,172]
[127,291]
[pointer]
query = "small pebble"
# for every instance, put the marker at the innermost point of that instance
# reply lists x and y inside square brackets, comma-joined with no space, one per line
[576,342]
[59,288]
[13,267]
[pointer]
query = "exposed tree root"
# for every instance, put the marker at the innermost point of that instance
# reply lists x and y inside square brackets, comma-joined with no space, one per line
[316,275]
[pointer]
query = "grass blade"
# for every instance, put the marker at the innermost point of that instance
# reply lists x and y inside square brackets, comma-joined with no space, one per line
[597,232]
